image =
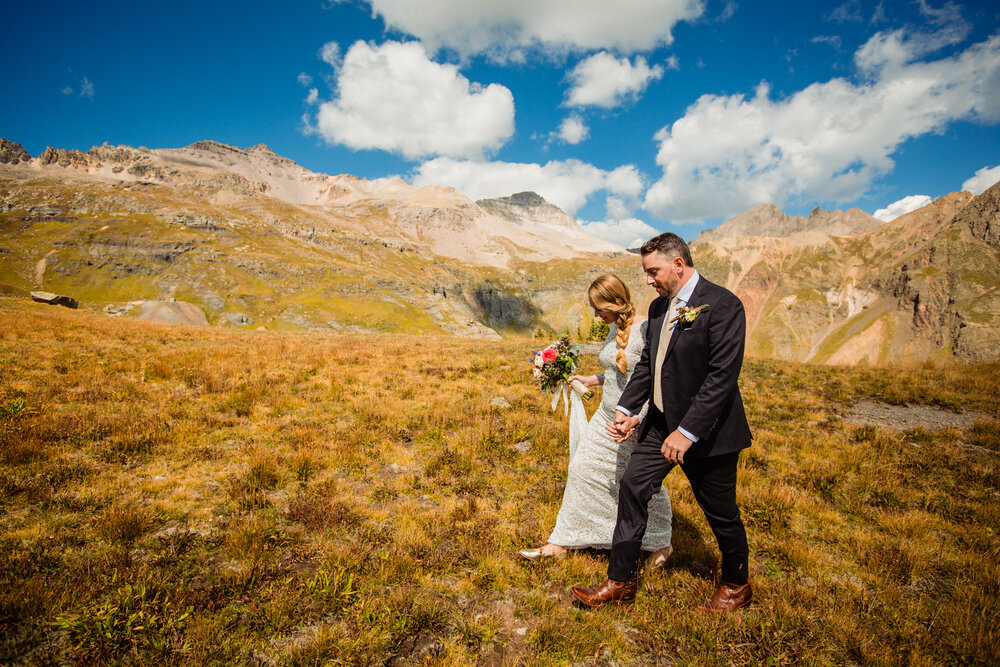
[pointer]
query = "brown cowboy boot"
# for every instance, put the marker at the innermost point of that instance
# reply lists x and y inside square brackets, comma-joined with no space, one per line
[727,597]
[611,591]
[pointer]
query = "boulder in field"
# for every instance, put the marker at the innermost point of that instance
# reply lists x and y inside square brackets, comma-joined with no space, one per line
[55,299]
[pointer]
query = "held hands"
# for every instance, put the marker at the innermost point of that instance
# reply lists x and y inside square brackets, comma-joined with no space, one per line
[674,447]
[585,380]
[623,426]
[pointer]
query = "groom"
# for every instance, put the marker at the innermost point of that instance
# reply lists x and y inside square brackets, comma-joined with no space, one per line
[688,372]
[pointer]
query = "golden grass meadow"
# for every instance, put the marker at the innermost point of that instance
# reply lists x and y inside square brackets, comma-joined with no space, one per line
[183,496]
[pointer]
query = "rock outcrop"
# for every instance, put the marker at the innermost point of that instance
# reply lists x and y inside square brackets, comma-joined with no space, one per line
[12,152]
[526,206]
[55,299]
[982,216]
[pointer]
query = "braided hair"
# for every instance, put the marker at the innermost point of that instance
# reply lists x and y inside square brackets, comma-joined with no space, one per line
[610,293]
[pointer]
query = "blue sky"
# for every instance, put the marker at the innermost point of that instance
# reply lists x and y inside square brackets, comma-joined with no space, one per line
[635,116]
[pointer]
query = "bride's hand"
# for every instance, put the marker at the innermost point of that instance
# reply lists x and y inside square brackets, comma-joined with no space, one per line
[621,431]
[585,380]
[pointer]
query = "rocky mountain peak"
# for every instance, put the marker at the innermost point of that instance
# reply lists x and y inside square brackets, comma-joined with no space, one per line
[261,149]
[11,152]
[522,205]
[531,199]
[770,221]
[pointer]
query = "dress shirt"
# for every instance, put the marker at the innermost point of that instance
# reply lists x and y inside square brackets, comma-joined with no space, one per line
[682,300]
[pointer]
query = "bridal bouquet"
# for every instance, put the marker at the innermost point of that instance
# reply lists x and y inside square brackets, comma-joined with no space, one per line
[553,366]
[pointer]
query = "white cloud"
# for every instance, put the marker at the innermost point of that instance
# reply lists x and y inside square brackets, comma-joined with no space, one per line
[826,142]
[305,79]
[727,12]
[901,207]
[567,184]
[832,40]
[330,54]
[87,89]
[508,28]
[673,63]
[573,130]
[982,180]
[617,209]
[393,98]
[313,96]
[66,90]
[603,80]
[628,233]
[849,11]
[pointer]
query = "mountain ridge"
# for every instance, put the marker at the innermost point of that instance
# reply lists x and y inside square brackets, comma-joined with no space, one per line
[769,220]
[450,224]
[225,229]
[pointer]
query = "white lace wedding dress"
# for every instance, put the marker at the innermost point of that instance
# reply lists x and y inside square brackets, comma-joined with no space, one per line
[590,501]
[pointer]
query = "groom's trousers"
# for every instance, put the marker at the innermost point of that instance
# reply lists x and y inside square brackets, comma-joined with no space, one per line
[713,481]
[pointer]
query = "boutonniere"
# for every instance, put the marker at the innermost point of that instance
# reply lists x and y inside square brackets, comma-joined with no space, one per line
[687,315]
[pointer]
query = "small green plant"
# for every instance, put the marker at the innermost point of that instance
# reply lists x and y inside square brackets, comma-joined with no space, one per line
[336,589]
[135,619]
[16,407]
[866,433]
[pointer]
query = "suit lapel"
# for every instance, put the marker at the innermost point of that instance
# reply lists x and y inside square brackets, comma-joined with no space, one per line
[655,328]
[696,294]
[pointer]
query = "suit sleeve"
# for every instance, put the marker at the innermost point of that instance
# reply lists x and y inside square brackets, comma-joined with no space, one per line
[640,385]
[726,336]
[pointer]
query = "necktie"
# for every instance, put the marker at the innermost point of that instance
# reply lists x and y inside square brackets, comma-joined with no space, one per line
[661,352]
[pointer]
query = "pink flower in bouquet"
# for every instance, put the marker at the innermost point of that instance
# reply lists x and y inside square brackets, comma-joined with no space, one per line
[549,354]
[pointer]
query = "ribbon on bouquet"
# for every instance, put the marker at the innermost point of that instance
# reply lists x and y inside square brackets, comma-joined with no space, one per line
[572,397]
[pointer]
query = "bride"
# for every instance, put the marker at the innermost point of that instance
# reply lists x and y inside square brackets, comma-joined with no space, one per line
[590,502]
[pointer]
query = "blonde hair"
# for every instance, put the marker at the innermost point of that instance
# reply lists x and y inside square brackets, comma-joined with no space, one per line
[610,293]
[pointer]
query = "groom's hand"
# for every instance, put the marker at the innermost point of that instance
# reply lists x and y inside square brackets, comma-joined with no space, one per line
[621,422]
[622,429]
[674,447]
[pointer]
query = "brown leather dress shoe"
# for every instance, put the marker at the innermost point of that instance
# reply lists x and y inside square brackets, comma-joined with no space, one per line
[611,591]
[728,597]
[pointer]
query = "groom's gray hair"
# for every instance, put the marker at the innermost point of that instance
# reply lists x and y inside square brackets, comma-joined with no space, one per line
[669,245]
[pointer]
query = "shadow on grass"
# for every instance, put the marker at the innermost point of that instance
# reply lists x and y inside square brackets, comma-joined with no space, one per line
[693,551]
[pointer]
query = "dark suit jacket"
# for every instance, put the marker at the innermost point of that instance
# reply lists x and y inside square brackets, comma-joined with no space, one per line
[700,373]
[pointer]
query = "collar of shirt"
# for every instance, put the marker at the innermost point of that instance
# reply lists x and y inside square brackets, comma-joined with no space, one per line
[684,295]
